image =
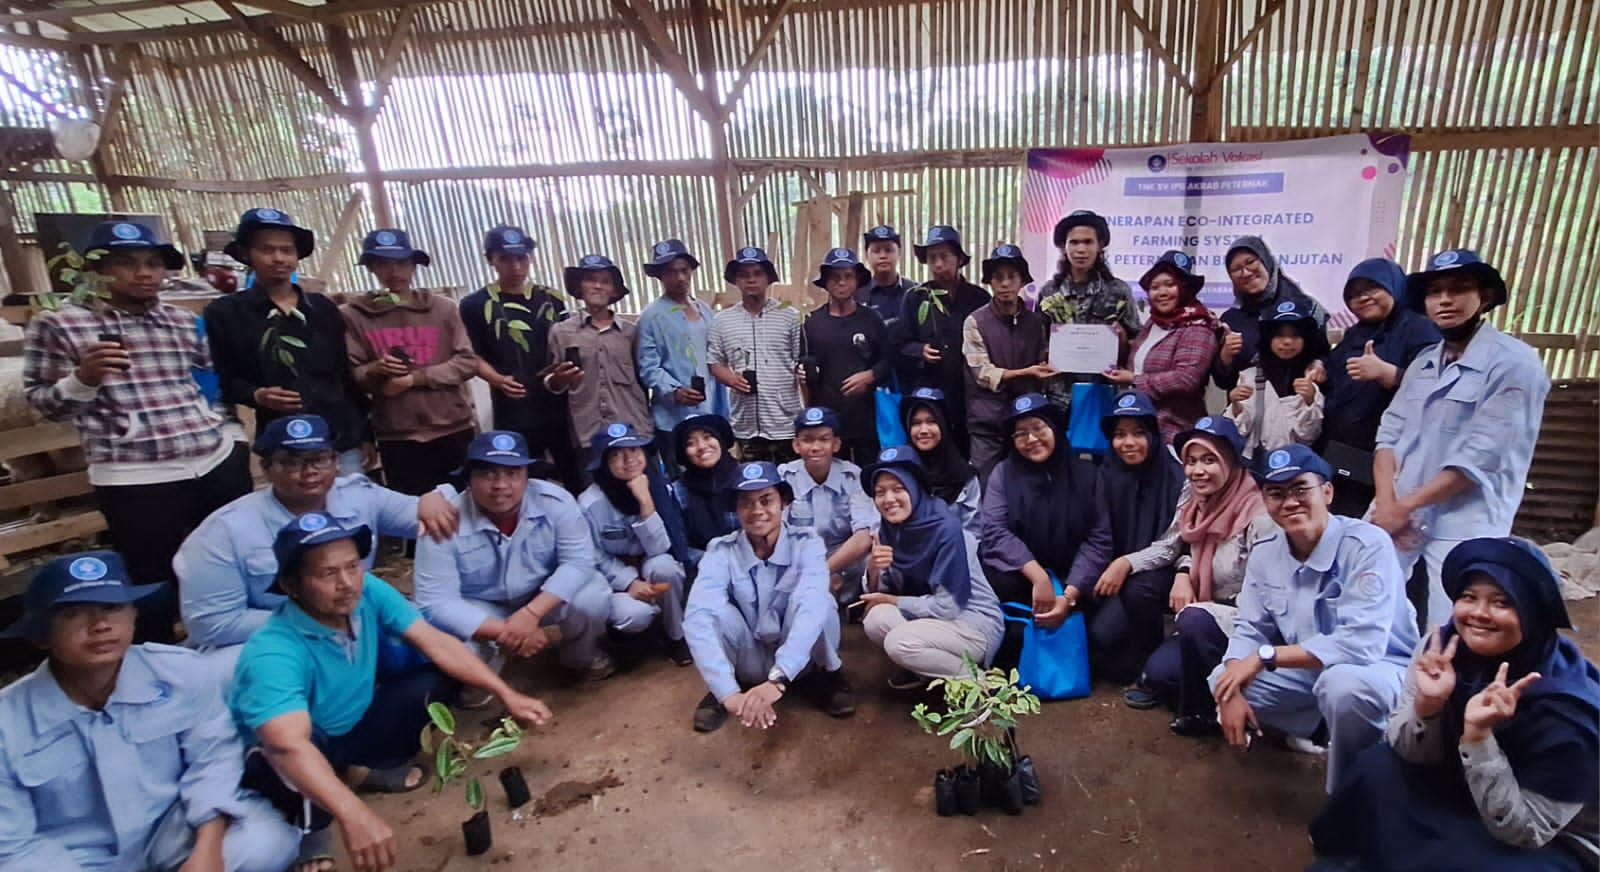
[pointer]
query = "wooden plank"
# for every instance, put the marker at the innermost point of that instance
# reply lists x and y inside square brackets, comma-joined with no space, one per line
[290,56]
[51,532]
[769,34]
[44,490]
[37,439]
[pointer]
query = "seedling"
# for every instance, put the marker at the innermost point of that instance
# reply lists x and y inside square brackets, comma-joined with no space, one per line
[451,756]
[980,708]
[86,284]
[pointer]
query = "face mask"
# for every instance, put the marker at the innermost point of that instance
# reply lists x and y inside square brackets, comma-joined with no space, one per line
[1463,331]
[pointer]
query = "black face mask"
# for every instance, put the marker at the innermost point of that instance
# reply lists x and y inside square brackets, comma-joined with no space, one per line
[1463,331]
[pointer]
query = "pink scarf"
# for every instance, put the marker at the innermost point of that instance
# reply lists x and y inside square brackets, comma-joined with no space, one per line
[1205,522]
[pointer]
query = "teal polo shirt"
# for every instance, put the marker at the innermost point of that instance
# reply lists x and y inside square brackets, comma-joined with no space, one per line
[294,664]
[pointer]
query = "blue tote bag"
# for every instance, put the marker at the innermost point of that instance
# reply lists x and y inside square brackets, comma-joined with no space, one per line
[1055,662]
[1090,402]
[891,430]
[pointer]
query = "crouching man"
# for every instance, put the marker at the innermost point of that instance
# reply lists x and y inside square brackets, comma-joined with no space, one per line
[116,756]
[310,688]
[760,616]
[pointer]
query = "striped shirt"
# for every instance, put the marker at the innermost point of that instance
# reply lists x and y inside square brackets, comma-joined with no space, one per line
[768,343]
[154,412]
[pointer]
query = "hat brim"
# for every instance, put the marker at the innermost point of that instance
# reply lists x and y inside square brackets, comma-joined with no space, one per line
[1287,473]
[1191,283]
[1102,230]
[1487,276]
[654,268]
[362,536]
[171,258]
[716,425]
[732,269]
[869,476]
[262,449]
[961,253]
[1236,452]
[417,256]
[1108,421]
[634,441]
[752,487]
[573,275]
[1050,413]
[305,242]
[33,625]
[867,240]
[993,263]
[863,275]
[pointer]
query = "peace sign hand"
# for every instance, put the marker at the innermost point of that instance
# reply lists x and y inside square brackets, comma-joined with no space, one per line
[1435,675]
[1493,705]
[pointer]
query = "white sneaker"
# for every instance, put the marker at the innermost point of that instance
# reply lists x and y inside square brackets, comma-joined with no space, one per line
[1303,745]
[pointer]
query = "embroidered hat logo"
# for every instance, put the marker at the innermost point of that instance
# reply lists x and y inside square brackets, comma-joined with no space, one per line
[299,428]
[616,430]
[1446,258]
[313,522]
[752,471]
[88,569]
[384,238]
[1278,459]
[125,231]
[1126,401]
[504,442]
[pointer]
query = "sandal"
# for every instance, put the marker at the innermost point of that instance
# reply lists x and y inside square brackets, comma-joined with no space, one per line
[393,779]
[316,850]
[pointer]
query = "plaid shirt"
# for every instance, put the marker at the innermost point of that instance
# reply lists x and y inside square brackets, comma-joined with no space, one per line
[152,413]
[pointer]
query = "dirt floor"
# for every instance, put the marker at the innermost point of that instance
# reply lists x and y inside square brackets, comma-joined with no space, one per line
[1121,792]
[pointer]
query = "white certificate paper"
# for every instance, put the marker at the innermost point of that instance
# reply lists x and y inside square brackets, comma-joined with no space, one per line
[1083,348]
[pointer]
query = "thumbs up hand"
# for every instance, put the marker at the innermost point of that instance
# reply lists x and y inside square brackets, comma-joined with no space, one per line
[1232,344]
[880,557]
[1370,367]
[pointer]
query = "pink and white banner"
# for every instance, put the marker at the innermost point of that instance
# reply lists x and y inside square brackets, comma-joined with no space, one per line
[1322,205]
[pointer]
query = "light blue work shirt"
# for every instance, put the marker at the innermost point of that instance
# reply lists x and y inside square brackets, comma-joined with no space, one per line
[791,585]
[618,536]
[1345,604]
[550,551]
[294,664]
[836,507]
[969,506]
[226,565]
[1479,414]
[672,350]
[85,789]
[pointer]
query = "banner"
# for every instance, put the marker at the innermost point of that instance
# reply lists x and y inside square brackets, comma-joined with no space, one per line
[1322,205]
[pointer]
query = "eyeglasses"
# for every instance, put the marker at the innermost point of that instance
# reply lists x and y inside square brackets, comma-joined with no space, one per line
[1280,495]
[1369,293]
[302,462]
[1023,434]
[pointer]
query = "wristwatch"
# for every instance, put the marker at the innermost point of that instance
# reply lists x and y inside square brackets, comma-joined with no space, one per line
[1269,657]
[777,679]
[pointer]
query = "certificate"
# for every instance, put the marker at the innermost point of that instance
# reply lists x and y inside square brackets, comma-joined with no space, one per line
[1083,348]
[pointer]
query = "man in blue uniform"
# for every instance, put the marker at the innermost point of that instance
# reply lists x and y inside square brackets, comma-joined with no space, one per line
[1324,631]
[829,499]
[116,756]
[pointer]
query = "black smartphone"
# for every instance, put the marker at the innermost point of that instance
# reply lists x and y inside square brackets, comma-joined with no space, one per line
[574,357]
[698,385]
[115,339]
[400,354]
[750,376]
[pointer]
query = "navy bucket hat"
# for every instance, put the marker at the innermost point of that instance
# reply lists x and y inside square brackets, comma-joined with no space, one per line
[881,233]
[749,255]
[842,258]
[1178,264]
[898,458]
[391,243]
[113,237]
[1465,260]
[1005,254]
[595,263]
[1217,427]
[264,218]
[664,253]
[942,234]
[1130,404]
[307,532]
[1082,218]
[760,476]
[508,239]
[86,577]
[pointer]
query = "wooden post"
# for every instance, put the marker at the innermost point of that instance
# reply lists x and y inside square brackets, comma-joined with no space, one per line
[361,118]
[16,257]
[1205,124]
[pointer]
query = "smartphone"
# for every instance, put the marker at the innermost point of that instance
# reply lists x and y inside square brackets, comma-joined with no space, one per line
[400,354]
[574,357]
[698,385]
[115,339]
[750,376]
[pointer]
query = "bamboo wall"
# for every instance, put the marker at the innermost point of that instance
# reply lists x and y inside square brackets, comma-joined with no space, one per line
[561,116]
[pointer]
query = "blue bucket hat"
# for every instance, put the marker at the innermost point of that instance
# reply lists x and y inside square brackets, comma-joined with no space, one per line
[1217,427]
[1291,462]
[117,236]
[1464,259]
[499,448]
[1299,315]
[761,475]
[899,457]
[85,577]
[307,532]
[391,243]
[508,238]
[1082,218]
[1005,254]
[264,218]
[1179,264]
[942,234]
[1519,568]
[595,263]
[749,255]
[1130,404]
[816,416]
[1033,405]
[1382,272]
[716,425]
[923,396]
[294,433]
[881,233]
[616,435]
[841,258]
[664,253]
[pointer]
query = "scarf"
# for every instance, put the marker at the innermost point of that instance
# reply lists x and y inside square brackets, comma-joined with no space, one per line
[1281,373]
[709,498]
[930,550]
[1255,304]
[622,499]
[1205,522]
[944,469]
[1190,310]
[1050,505]
[1140,500]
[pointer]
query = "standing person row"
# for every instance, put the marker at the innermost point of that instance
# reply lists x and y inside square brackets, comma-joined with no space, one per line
[932,317]
[754,349]
[674,339]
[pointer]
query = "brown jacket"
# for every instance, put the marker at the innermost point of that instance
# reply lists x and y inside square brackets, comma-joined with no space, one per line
[428,329]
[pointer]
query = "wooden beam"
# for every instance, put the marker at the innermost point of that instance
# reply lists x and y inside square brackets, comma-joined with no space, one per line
[121,70]
[1157,48]
[33,536]
[285,7]
[59,14]
[705,49]
[752,186]
[1272,8]
[37,439]
[337,37]
[44,490]
[1205,119]
[641,18]
[18,276]
[291,58]
[769,34]
[23,40]
[33,95]
[399,41]
[342,229]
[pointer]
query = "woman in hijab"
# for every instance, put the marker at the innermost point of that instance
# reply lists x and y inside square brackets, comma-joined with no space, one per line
[1364,371]
[946,474]
[1140,483]
[1493,755]
[1220,514]
[1277,401]
[1171,357]
[705,491]
[928,603]
[640,544]
[1259,285]
[1043,538]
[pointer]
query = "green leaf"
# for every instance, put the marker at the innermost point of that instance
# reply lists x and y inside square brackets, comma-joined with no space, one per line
[961,737]
[427,738]
[67,275]
[442,718]
[499,327]
[458,768]
[518,307]
[521,341]
[496,747]
[475,794]
[285,358]
[922,313]
[441,762]
[291,340]
[519,325]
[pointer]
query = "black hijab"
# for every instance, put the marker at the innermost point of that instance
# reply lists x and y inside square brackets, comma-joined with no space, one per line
[1050,505]
[930,549]
[622,499]
[944,470]
[1139,500]
[1280,373]
[710,503]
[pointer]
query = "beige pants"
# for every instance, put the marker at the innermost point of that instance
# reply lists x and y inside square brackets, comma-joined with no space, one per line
[926,646]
